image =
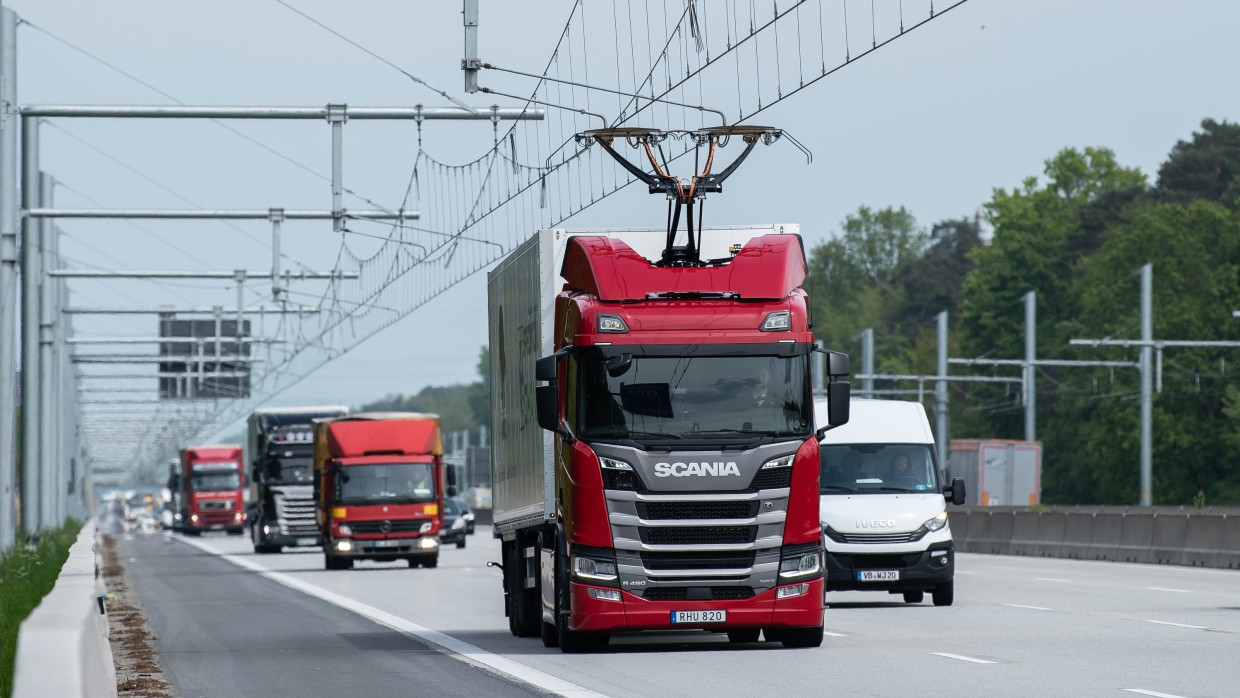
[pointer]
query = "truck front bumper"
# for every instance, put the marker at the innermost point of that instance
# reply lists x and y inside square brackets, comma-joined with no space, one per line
[918,571]
[383,549]
[635,613]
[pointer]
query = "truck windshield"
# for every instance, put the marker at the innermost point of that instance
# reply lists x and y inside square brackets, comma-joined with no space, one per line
[389,483]
[692,396]
[289,471]
[877,468]
[215,481]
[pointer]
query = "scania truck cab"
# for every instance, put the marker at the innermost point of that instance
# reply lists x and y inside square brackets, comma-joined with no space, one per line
[883,505]
[212,494]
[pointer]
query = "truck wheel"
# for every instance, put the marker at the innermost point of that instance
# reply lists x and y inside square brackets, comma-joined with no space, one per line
[913,596]
[571,641]
[524,605]
[265,549]
[461,543]
[742,635]
[801,637]
[944,594]
[429,562]
[338,563]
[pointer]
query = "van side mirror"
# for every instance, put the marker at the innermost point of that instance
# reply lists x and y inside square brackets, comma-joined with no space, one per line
[955,492]
[838,393]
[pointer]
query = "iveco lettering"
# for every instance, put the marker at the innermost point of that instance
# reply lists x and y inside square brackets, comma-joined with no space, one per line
[675,484]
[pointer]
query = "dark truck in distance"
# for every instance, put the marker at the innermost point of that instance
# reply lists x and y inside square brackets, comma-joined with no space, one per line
[279,449]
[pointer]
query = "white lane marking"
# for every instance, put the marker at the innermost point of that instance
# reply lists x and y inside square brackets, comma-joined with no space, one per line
[965,572]
[1178,591]
[1178,625]
[1155,694]
[456,648]
[1052,579]
[962,658]
[1019,605]
[828,633]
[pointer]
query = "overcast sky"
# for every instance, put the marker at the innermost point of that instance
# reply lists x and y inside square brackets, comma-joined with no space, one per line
[976,99]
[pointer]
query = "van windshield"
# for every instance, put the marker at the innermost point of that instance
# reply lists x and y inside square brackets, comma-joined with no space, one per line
[877,468]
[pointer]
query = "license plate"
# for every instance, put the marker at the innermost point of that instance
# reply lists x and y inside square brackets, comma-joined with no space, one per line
[878,576]
[387,544]
[307,541]
[699,616]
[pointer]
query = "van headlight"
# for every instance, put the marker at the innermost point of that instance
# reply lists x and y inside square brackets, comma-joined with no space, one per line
[936,523]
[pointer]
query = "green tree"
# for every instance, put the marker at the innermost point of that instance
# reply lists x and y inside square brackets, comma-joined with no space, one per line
[1207,167]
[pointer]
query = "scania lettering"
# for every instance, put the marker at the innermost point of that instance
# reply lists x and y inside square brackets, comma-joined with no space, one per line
[884,514]
[695,469]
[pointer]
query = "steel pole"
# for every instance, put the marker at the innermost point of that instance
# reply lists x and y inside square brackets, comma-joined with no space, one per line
[336,117]
[31,497]
[1147,384]
[1031,350]
[470,64]
[48,466]
[8,278]
[867,362]
[940,394]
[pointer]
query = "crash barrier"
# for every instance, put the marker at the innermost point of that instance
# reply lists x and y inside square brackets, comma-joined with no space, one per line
[62,647]
[1156,535]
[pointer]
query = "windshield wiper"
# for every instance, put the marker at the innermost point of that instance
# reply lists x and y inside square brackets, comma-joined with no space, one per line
[651,435]
[842,488]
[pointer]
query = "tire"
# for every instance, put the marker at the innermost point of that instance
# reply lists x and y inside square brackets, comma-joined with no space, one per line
[944,593]
[333,562]
[266,549]
[461,543]
[429,562]
[524,605]
[914,596]
[801,637]
[743,635]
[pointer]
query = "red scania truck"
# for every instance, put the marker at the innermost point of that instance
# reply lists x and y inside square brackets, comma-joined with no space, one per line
[211,489]
[378,487]
[674,481]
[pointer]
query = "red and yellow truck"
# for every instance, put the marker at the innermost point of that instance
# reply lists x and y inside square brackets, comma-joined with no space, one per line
[379,487]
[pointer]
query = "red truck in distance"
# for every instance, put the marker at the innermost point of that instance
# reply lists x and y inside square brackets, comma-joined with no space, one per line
[379,488]
[211,487]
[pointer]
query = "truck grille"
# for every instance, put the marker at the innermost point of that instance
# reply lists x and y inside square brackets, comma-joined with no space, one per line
[219,505]
[741,559]
[877,562]
[697,510]
[680,593]
[876,537]
[698,535]
[296,515]
[400,526]
[772,478]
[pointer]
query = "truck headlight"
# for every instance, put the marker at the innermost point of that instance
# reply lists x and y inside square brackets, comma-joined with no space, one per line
[799,565]
[345,530]
[429,542]
[936,523]
[426,527]
[781,462]
[589,568]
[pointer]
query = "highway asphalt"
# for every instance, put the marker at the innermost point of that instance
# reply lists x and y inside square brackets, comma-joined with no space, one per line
[1019,627]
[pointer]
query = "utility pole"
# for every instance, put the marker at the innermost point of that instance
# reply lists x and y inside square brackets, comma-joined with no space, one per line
[470,64]
[1031,350]
[8,277]
[31,496]
[940,395]
[867,362]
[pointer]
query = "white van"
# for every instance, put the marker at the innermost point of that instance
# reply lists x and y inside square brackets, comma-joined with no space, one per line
[882,504]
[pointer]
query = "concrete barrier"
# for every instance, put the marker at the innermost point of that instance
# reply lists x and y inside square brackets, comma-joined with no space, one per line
[1052,527]
[1024,538]
[1104,544]
[1078,532]
[62,647]
[1203,541]
[1157,535]
[1168,539]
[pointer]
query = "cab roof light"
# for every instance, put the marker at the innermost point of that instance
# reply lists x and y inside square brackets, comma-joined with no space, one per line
[780,321]
[611,324]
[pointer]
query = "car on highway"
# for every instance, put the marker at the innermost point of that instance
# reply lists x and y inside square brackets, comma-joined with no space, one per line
[467,513]
[455,527]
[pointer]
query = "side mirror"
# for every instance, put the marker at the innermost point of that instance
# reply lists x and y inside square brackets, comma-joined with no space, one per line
[544,368]
[955,491]
[545,399]
[837,365]
[451,490]
[837,405]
